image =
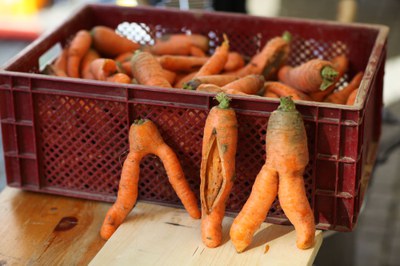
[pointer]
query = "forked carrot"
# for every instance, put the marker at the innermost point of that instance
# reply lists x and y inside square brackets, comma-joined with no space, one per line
[235,61]
[340,97]
[78,47]
[340,64]
[218,80]
[144,138]
[311,76]
[272,56]
[180,63]
[108,43]
[283,90]
[217,170]
[147,71]
[217,61]
[282,175]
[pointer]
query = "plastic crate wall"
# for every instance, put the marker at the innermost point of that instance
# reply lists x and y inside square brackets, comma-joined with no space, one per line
[70,137]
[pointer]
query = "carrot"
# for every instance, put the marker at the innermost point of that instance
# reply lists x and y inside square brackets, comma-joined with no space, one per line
[147,71]
[101,68]
[217,170]
[217,61]
[182,79]
[311,76]
[273,55]
[89,57]
[219,80]
[124,57]
[250,84]
[196,51]
[59,67]
[352,97]
[108,43]
[340,97]
[119,78]
[168,45]
[283,90]
[270,94]
[144,139]
[170,76]
[179,63]
[235,61]
[209,88]
[78,47]
[282,175]
[340,64]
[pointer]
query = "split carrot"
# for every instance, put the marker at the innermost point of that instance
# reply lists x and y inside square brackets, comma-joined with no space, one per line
[235,61]
[273,55]
[180,63]
[219,80]
[340,97]
[78,47]
[101,68]
[89,57]
[283,90]
[340,64]
[144,139]
[119,78]
[217,170]
[352,97]
[217,61]
[147,71]
[109,43]
[311,76]
[282,175]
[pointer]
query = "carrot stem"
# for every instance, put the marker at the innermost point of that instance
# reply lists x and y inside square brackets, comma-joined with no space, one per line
[223,100]
[287,36]
[139,121]
[287,104]
[328,75]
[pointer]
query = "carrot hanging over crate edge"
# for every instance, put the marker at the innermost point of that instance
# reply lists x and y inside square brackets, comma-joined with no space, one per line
[217,170]
[144,138]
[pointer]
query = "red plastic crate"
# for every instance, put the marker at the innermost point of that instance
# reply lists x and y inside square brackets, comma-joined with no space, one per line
[69,136]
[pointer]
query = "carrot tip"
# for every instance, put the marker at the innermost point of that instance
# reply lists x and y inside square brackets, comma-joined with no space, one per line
[287,104]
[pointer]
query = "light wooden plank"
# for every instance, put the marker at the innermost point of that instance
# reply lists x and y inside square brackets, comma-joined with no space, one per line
[159,235]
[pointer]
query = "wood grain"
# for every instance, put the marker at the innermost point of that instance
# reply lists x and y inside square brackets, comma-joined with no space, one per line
[158,235]
[39,229]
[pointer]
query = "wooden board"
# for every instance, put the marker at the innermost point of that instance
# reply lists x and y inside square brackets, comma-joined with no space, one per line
[159,235]
[40,229]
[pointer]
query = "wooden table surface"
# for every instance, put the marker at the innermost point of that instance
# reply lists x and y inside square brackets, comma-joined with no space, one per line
[40,229]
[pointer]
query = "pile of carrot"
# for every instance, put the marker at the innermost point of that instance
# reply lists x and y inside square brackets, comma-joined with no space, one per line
[183,61]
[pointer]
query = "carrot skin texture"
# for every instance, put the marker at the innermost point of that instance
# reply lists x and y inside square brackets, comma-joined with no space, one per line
[144,138]
[78,47]
[147,71]
[108,43]
[217,171]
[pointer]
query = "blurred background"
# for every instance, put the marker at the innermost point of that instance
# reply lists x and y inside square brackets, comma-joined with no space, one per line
[376,240]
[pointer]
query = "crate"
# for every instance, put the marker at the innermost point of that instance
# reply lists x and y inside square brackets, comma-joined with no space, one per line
[69,136]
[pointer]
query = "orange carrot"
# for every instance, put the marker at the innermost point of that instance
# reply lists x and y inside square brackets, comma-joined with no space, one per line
[235,61]
[219,80]
[352,97]
[283,90]
[209,88]
[340,97]
[340,64]
[170,76]
[101,68]
[124,57]
[119,78]
[147,71]
[282,174]
[311,76]
[127,68]
[144,139]
[270,94]
[196,51]
[78,47]
[59,67]
[273,55]
[180,63]
[108,43]
[250,84]
[217,170]
[179,44]
[182,79]
[89,57]
[217,61]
